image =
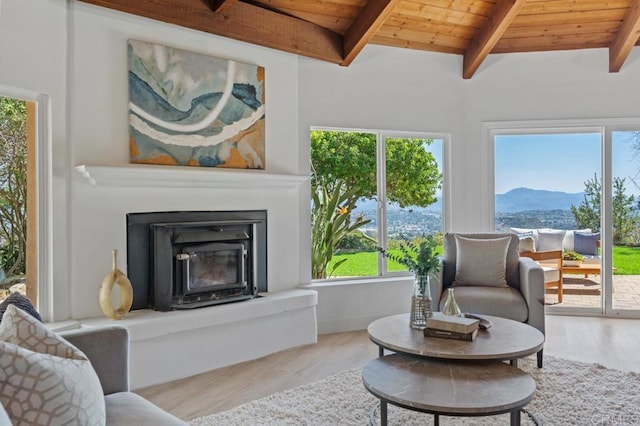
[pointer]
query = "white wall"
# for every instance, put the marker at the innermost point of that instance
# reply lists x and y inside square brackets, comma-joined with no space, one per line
[33,63]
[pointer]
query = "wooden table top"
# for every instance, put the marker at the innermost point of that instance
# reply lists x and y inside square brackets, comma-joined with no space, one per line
[505,340]
[448,387]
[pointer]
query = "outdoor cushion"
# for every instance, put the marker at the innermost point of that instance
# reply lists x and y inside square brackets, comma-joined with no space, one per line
[523,232]
[550,239]
[568,241]
[527,244]
[586,243]
[481,262]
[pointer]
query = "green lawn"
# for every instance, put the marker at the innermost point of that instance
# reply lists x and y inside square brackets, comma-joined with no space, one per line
[625,259]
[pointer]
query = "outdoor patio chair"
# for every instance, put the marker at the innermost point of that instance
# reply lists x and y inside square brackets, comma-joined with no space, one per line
[551,263]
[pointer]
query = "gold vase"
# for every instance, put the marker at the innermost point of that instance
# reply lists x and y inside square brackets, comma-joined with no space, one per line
[116,277]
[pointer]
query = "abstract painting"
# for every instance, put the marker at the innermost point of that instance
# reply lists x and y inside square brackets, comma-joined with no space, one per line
[189,109]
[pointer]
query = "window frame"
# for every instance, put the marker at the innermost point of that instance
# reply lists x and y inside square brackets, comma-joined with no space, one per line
[42,180]
[381,136]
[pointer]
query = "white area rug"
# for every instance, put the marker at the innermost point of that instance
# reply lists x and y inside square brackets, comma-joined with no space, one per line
[568,393]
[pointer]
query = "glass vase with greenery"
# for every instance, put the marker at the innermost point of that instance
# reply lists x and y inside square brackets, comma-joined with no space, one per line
[419,256]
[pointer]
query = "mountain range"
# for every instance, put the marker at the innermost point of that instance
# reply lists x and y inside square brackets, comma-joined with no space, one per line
[523,199]
[515,200]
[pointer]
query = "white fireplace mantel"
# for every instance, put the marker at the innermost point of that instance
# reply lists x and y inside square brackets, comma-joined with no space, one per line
[138,175]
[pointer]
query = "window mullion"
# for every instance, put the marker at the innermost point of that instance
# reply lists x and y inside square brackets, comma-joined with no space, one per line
[381,177]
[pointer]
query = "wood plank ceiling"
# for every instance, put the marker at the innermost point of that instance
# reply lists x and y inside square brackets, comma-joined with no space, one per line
[337,30]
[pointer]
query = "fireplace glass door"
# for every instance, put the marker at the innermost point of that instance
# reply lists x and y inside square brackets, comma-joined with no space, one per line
[213,267]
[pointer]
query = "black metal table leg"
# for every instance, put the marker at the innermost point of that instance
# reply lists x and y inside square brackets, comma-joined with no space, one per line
[515,417]
[380,351]
[436,420]
[383,413]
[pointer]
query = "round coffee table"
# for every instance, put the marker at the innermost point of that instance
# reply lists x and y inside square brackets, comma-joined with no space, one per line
[505,340]
[452,377]
[453,388]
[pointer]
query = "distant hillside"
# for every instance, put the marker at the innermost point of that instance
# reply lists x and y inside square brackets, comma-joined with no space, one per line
[516,200]
[522,199]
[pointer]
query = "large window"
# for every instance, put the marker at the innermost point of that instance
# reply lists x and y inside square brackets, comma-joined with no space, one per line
[581,182]
[371,189]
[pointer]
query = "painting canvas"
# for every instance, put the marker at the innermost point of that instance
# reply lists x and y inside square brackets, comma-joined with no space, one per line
[189,109]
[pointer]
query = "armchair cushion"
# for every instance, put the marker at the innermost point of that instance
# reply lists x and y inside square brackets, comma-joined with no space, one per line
[504,302]
[481,262]
[44,379]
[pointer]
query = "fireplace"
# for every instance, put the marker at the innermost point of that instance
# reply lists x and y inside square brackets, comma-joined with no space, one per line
[186,260]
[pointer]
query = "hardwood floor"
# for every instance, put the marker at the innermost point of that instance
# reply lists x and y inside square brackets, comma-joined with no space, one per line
[614,343]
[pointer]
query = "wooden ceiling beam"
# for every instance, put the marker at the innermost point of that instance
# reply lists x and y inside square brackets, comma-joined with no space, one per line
[626,38]
[364,27]
[243,21]
[220,6]
[489,34]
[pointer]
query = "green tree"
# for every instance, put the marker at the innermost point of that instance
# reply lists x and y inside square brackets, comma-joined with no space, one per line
[331,222]
[625,218]
[587,214]
[412,173]
[13,185]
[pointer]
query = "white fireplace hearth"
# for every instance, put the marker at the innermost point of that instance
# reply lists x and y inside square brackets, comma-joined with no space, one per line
[167,346]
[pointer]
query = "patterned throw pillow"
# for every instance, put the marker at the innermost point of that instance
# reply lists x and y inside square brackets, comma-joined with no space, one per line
[43,378]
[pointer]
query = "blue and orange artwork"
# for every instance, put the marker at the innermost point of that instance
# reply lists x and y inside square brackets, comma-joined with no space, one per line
[188,109]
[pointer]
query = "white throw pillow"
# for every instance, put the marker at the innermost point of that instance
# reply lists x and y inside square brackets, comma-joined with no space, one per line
[481,262]
[550,239]
[527,244]
[43,378]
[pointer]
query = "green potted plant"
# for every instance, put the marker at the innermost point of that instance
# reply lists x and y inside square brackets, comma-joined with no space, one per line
[420,257]
[572,258]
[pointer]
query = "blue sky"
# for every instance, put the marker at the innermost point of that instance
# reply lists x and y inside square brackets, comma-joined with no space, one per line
[560,162]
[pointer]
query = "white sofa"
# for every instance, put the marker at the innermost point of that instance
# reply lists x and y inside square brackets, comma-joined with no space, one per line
[546,239]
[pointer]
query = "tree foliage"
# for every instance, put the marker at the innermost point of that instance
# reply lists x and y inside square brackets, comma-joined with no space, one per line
[332,221]
[625,218]
[13,185]
[587,214]
[412,173]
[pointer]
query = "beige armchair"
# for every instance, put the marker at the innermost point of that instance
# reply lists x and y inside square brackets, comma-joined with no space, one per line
[521,298]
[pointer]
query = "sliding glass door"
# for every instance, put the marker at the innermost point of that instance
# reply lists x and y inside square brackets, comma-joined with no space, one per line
[574,188]
[625,217]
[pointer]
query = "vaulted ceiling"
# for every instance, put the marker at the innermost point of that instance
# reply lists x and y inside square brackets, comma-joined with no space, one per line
[337,30]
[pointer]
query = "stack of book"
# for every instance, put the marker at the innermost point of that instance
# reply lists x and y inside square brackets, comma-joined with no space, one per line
[449,327]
